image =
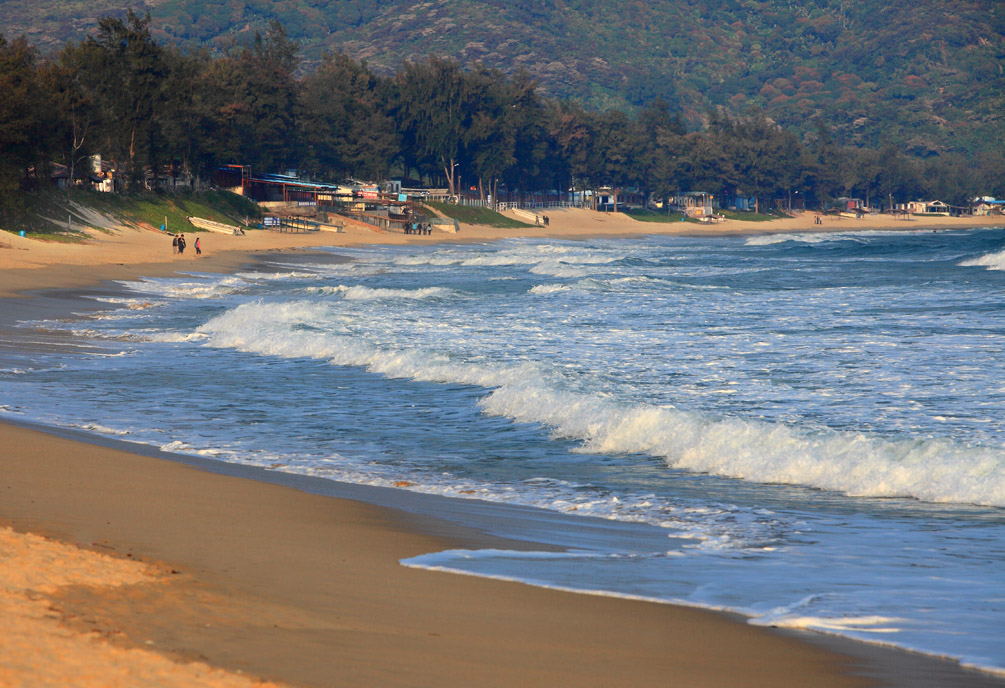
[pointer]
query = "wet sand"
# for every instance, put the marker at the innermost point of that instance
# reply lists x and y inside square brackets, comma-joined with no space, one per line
[160,572]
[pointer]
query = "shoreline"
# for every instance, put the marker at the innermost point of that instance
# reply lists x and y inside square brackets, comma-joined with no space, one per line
[218,603]
[131,253]
[296,587]
[533,625]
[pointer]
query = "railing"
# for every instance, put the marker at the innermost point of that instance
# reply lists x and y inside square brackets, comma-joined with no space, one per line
[297,224]
[515,205]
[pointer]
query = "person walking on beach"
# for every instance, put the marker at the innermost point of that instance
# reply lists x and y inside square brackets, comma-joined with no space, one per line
[174,244]
[181,244]
[198,246]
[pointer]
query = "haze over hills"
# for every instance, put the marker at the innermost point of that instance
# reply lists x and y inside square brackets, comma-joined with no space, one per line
[928,76]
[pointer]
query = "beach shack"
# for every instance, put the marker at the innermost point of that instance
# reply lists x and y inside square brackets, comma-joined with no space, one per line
[935,208]
[742,202]
[697,204]
[987,205]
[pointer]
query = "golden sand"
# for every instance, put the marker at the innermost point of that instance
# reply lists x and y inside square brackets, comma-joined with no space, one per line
[266,581]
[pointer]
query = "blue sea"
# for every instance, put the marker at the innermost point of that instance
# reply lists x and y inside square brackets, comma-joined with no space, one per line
[806,429]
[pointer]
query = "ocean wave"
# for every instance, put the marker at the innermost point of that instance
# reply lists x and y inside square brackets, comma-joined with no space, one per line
[851,463]
[934,470]
[361,293]
[805,238]
[549,288]
[120,302]
[181,289]
[277,276]
[819,237]
[99,429]
[537,256]
[991,261]
[593,284]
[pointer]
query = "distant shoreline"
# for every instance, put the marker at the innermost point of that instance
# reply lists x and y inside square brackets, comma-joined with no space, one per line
[29,264]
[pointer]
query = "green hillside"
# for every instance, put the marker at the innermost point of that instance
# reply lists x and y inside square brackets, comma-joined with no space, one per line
[926,76]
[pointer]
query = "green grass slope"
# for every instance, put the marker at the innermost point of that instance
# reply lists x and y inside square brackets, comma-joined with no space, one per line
[54,215]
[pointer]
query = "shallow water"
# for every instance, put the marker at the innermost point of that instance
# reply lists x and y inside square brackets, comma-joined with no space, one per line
[810,426]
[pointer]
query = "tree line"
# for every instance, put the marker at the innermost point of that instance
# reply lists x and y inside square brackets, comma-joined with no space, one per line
[122,95]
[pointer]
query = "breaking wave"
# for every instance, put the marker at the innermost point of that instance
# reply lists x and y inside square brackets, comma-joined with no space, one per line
[852,463]
[360,293]
[991,261]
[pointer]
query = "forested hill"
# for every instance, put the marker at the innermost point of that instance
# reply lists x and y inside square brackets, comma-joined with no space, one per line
[927,76]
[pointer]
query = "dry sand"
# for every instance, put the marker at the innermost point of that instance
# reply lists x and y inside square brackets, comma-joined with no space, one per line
[161,574]
[128,253]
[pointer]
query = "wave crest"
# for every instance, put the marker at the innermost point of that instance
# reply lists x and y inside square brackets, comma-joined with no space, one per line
[851,463]
[991,261]
[361,293]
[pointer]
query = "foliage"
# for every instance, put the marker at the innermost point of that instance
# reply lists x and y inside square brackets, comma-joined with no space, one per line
[123,68]
[158,111]
[24,142]
[927,77]
[344,129]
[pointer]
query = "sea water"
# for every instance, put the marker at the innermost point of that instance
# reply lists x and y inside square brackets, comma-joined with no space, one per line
[807,429]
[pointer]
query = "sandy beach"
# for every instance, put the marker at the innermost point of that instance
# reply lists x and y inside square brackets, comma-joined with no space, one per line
[128,252]
[124,567]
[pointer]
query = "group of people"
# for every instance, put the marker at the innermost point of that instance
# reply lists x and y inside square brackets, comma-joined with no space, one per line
[178,244]
[539,220]
[418,228]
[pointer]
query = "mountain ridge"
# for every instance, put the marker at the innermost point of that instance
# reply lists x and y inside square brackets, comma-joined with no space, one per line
[928,77]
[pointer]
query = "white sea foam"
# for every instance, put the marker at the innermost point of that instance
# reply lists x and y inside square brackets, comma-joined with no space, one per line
[590,284]
[991,261]
[860,624]
[361,293]
[100,429]
[852,463]
[275,276]
[805,238]
[132,304]
[554,260]
[177,288]
[550,288]
[818,237]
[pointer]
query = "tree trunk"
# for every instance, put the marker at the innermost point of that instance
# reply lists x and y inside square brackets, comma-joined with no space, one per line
[449,167]
[131,174]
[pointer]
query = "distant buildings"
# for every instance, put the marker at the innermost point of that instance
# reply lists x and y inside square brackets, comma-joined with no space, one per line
[987,205]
